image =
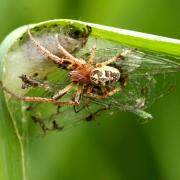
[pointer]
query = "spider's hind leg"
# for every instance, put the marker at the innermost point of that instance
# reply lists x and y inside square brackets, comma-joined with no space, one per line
[106,92]
[92,55]
[115,58]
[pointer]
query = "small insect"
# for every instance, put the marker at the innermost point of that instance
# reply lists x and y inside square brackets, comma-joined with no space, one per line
[88,75]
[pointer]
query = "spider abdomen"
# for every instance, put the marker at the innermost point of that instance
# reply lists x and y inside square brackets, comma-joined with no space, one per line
[104,75]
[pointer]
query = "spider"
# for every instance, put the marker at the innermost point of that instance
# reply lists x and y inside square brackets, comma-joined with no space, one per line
[85,74]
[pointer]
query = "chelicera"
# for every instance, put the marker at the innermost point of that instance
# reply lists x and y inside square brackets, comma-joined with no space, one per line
[86,74]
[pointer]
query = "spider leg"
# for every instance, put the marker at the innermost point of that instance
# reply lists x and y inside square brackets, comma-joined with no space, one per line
[110,93]
[89,89]
[62,92]
[77,100]
[67,54]
[106,94]
[78,94]
[96,96]
[38,99]
[115,58]
[93,52]
[46,52]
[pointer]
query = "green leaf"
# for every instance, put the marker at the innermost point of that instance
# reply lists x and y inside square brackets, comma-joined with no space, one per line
[18,56]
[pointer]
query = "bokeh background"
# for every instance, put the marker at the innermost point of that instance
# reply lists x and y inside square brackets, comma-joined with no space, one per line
[117,148]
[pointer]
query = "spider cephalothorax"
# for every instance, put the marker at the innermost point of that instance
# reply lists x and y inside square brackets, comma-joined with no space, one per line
[85,74]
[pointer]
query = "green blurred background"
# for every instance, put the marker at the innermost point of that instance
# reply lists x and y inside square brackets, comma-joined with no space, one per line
[117,148]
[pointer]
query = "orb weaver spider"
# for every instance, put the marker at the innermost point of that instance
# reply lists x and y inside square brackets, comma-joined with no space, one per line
[82,73]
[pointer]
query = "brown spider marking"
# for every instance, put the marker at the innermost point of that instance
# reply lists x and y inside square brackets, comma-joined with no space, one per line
[85,74]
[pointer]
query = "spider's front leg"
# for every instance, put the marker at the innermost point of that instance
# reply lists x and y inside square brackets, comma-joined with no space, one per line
[49,55]
[70,57]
